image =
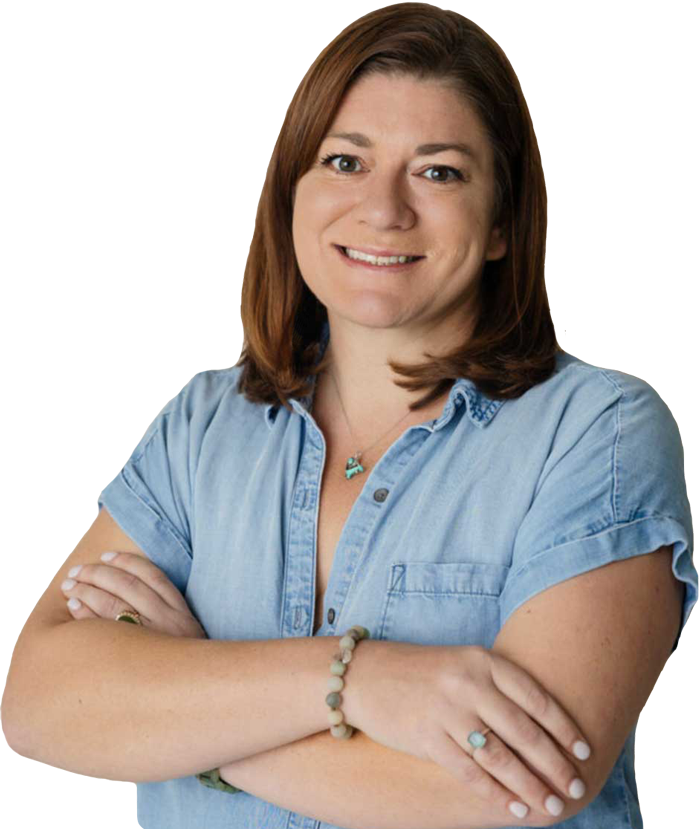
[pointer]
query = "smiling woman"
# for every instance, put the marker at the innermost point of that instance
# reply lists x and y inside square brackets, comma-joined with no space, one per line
[408,243]
[396,200]
[417,142]
[403,450]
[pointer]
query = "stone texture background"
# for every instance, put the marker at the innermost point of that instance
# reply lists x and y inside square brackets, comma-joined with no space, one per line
[129,136]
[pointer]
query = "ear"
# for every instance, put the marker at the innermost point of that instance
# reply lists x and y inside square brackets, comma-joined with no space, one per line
[497,246]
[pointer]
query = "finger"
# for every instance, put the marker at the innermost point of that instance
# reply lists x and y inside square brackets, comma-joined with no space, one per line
[145,570]
[103,604]
[79,610]
[517,684]
[516,730]
[505,766]
[526,722]
[124,588]
[447,753]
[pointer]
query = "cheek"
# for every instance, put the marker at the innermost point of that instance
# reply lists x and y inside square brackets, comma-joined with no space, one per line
[471,240]
[315,211]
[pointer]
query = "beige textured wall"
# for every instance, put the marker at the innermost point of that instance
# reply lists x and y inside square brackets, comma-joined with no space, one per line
[129,134]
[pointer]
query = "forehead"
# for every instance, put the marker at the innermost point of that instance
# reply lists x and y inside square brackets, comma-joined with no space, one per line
[403,111]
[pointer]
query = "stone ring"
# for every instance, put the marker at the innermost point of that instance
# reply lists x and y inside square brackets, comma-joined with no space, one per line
[477,739]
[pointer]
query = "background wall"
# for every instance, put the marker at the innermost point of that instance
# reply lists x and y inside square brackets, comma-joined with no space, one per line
[134,147]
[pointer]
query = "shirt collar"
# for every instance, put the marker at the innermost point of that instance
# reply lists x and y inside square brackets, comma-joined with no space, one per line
[480,408]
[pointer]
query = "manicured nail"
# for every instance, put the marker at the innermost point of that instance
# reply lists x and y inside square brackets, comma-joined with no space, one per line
[108,556]
[518,809]
[68,584]
[73,603]
[554,805]
[73,572]
[582,750]
[577,789]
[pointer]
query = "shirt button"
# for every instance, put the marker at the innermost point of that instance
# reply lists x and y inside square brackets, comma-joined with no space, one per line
[380,494]
[331,616]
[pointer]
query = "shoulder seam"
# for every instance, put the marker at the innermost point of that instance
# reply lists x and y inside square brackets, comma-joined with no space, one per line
[591,369]
[137,458]
[176,400]
[618,436]
[605,373]
[611,379]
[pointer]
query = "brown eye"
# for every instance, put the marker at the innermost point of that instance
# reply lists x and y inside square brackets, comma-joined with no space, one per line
[330,158]
[456,173]
[452,173]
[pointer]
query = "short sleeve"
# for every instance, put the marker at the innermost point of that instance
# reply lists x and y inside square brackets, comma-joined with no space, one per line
[612,487]
[150,498]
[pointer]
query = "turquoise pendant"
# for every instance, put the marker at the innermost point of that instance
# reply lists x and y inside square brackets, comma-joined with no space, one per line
[353,467]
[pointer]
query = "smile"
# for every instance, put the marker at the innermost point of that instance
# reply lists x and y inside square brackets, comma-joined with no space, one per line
[357,259]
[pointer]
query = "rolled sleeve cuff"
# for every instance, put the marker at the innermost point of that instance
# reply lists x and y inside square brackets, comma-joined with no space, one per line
[147,529]
[616,543]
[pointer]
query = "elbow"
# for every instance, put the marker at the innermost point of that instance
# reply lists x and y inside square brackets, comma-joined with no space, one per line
[10,739]
[20,707]
[14,736]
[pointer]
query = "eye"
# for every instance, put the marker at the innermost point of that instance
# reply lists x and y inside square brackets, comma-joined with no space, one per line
[456,174]
[331,157]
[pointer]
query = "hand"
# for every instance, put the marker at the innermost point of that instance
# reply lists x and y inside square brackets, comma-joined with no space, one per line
[132,582]
[427,700]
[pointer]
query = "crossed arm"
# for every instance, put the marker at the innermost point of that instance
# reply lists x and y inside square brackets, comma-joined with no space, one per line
[360,784]
[597,642]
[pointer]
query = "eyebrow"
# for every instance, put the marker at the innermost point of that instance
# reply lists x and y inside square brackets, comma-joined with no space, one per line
[360,140]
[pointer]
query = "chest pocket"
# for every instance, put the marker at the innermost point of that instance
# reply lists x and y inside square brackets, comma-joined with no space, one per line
[443,603]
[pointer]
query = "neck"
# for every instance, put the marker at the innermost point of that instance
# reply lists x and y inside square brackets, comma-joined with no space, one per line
[359,374]
[356,414]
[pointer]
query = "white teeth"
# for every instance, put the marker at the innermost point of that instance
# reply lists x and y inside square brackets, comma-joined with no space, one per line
[378,260]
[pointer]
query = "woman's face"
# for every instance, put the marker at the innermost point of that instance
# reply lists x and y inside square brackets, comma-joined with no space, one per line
[380,194]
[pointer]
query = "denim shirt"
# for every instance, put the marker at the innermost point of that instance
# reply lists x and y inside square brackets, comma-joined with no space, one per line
[462,520]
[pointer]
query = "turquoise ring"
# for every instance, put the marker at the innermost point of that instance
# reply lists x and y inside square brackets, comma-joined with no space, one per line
[477,739]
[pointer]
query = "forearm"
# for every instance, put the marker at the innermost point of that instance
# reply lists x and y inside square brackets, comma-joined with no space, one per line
[361,784]
[125,702]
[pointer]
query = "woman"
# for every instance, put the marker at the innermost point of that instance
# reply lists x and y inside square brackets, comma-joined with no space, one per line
[404,446]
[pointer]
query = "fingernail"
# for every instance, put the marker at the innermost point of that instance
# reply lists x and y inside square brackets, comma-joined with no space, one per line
[577,788]
[68,584]
[75,570]
[582,750]
[107,556]
[73,603]
[518,809]
[554,805]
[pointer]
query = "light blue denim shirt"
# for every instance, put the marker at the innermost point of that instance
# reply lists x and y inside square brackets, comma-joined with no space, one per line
[462,520]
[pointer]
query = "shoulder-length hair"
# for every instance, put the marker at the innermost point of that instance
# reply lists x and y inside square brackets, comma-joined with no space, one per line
[512,346]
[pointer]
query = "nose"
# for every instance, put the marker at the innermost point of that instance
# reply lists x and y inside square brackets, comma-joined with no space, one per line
[385,201]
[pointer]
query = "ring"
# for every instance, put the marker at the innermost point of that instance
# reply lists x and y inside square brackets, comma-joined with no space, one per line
[477,739]
[131,616]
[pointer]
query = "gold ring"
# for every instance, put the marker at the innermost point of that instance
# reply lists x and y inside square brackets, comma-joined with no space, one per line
[131,616]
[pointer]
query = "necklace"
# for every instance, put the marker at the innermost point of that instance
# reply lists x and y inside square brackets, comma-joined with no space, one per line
[353,465]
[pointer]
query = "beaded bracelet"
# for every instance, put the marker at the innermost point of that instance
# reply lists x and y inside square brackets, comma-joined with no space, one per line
[212,779]
[339,728]
[342,730]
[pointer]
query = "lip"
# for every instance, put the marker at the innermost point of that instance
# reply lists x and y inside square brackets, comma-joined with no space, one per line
[378,252]
[357,263]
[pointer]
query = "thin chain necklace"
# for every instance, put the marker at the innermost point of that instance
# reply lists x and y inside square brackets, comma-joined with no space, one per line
[353,466]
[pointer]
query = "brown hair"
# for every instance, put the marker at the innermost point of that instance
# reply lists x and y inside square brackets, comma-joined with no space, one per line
[513,345]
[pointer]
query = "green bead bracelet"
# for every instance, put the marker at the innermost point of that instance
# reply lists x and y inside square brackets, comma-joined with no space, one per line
[339,728]
[212,779]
